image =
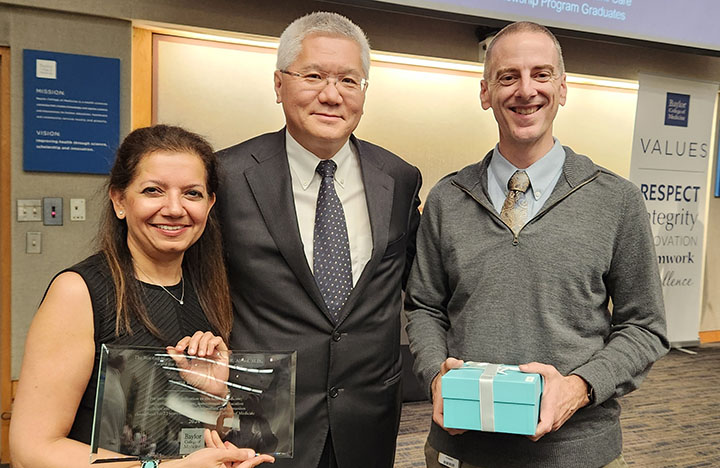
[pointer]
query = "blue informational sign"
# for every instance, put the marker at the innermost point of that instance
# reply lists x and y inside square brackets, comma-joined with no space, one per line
[71,109]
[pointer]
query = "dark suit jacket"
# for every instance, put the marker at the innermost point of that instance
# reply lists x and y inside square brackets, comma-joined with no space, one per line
[348,374]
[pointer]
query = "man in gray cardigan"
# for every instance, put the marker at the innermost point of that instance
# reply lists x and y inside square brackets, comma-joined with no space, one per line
[525,275]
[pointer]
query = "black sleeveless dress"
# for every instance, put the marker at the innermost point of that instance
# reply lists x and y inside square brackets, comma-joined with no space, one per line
[172,319]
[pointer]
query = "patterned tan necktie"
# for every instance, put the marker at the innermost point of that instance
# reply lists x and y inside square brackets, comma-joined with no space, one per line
[515,210]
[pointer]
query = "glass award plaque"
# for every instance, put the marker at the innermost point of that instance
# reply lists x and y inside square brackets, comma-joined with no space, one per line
[155,403]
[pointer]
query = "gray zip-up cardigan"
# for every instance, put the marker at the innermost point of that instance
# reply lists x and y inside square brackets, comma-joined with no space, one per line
[478,292]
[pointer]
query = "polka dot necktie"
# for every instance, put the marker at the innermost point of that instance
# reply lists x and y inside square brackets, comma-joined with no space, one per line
[331,249]
[515,209]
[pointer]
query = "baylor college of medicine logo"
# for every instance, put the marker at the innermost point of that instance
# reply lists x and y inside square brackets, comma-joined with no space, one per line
[677,108]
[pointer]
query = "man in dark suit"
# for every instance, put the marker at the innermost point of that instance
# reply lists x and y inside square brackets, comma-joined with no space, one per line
[319,229]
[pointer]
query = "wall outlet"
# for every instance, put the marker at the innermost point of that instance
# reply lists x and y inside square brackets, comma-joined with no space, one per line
[77,209]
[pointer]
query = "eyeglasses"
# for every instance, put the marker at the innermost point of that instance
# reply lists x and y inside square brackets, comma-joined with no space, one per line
[318,80]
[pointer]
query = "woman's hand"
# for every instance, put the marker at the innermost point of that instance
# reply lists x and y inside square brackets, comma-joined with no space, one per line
[213,440]
[220,455]
[203,362]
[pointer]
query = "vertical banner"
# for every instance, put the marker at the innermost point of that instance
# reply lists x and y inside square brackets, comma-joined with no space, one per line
[671,156]
[71,112]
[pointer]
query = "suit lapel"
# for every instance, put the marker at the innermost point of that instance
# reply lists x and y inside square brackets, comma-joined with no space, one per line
[379,188]
[271,185]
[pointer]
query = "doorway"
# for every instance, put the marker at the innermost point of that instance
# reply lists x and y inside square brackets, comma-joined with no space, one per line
[5,255]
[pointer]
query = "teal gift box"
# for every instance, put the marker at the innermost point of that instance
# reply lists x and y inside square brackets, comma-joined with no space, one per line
[491,397]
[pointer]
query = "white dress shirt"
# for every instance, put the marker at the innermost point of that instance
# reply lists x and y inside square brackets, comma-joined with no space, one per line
[350,189]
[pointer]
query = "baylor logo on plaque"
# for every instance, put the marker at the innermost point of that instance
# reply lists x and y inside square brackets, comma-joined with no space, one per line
[191,439]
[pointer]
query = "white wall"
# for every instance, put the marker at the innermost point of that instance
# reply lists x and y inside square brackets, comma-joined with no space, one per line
[430,117]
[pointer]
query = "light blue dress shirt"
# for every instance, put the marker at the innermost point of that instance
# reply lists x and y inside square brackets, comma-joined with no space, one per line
[543,175]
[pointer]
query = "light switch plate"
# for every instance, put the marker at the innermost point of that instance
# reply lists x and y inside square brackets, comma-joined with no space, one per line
[29,210]
[33,242]
[52,211]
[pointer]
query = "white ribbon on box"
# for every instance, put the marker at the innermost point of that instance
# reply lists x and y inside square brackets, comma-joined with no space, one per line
[485,392]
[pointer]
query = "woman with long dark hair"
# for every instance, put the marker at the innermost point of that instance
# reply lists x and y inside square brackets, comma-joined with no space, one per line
[158,279]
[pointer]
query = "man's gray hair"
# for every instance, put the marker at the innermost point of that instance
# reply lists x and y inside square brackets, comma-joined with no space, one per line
[323,23]
[521,26]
